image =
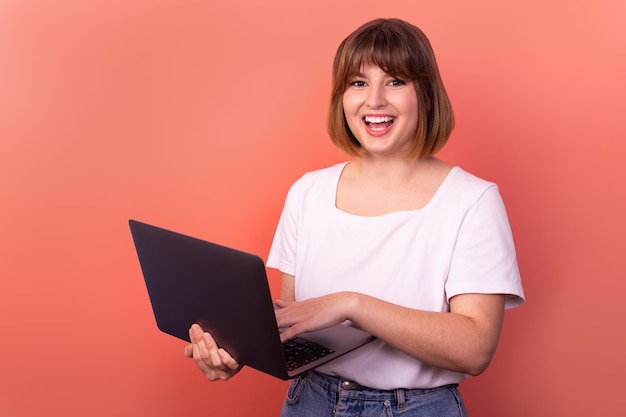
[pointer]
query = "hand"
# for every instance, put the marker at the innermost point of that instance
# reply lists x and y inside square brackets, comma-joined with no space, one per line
[215,363]
[296,317]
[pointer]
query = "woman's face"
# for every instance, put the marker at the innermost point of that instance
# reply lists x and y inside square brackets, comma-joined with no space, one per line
[382,112]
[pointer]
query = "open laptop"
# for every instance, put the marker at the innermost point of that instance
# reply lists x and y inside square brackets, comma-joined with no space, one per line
[226,292]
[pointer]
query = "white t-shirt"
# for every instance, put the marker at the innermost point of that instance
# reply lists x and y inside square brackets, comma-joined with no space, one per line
[460,242]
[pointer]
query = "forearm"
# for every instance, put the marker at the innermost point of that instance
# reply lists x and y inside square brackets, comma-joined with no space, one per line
[456,341]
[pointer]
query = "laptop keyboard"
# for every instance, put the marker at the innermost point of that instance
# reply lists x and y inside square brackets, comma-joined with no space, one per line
[299,352]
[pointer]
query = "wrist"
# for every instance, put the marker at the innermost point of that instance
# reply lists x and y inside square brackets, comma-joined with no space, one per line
[351,302]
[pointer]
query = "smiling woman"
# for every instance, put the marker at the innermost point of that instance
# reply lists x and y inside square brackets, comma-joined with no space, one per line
[414,251]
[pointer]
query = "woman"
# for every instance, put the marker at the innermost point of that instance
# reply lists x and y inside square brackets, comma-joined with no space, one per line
[415,251]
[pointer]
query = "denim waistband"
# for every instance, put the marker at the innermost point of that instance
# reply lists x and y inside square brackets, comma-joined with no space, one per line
[354,390]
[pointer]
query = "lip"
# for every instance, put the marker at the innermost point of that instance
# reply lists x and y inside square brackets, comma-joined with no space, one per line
[378,124]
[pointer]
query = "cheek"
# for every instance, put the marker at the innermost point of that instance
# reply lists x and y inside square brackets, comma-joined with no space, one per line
[411,107]
[350,110]
[349,116]
[350,102]
[345,103]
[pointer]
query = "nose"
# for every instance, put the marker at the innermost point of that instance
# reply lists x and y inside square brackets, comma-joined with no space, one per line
[376,97]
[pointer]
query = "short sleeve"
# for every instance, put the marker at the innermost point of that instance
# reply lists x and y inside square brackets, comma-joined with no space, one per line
[484,259]
[282,255]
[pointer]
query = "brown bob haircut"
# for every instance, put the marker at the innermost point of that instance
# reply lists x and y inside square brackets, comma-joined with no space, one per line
[403,51]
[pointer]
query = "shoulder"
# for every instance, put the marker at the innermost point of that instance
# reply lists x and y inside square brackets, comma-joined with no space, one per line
[460,177]
[316,186]
[461,192]
[464,184]
[319,178]
[323,174]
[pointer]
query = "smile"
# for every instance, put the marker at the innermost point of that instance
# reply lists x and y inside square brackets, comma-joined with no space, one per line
[378,123]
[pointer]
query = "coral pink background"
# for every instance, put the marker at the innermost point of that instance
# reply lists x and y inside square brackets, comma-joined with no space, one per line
[198,115]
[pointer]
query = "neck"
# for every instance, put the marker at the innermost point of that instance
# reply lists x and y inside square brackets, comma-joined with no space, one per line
[391,168]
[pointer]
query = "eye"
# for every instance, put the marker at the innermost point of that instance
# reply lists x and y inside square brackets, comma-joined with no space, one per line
[396,82]
[357,83]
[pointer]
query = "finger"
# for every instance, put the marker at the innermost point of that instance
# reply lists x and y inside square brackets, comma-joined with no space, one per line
[286,335]
[209,360]
[211,354]
[281,303]
[214,363]
[289,333]
[204,348]
[285,318]
[228,360]
[189,351]
[195,333]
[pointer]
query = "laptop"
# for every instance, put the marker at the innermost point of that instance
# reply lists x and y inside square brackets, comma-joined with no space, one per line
[226,292]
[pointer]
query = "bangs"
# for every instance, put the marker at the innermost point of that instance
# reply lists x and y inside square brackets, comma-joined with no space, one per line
[388,48]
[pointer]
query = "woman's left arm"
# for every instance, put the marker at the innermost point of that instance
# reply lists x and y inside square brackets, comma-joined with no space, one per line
[462,340]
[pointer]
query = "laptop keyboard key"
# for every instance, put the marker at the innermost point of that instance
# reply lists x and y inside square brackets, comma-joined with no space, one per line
[299,352]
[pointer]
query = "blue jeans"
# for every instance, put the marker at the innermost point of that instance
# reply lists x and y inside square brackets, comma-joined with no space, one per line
[318,395]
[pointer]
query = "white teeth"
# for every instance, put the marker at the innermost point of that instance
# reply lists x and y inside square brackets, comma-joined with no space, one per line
[377,119]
